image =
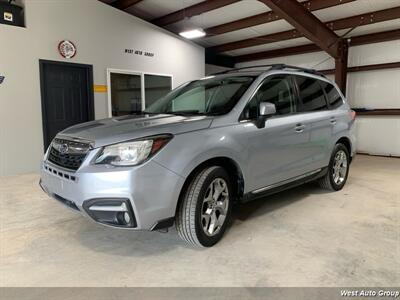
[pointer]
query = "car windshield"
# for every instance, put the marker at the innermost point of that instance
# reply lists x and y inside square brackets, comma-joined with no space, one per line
[208,96]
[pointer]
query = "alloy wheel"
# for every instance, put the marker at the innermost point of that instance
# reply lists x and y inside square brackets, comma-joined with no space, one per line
[339,170]
[215,207]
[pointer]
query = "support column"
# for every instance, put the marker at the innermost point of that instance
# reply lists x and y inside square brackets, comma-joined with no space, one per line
[341,65]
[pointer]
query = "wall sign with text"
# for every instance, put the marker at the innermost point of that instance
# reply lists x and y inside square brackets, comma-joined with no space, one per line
[139,52]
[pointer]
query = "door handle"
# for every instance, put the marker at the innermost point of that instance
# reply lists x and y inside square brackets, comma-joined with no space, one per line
[333,121]
[299,128]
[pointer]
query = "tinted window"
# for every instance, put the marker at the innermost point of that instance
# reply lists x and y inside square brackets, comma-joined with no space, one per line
[277,90]
[155,87]
[126,96]
[334,98]
[311,94]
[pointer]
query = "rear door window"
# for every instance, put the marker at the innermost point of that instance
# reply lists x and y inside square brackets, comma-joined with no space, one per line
[311,94]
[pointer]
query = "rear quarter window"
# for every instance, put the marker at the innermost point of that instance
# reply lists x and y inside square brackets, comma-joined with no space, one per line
[332,94]
[312,97]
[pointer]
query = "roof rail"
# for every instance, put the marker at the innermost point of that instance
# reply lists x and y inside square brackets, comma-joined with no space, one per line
[305,70]
[273,67]
[243,68]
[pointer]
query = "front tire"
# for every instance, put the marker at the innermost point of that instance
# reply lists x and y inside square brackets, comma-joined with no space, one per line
[205,209]
[338,169]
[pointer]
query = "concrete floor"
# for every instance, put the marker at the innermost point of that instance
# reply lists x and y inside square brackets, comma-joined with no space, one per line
[302,237]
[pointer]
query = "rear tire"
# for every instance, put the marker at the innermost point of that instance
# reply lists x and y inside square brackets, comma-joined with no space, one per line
[205,209]
[338,169]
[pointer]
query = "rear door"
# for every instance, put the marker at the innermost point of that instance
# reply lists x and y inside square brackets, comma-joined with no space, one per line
[339,116]
[317,117]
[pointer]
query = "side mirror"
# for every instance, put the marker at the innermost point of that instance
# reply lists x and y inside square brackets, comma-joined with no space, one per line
[266,109]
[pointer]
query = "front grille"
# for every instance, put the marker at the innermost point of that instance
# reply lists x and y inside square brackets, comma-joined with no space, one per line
[67,154]
[69,161]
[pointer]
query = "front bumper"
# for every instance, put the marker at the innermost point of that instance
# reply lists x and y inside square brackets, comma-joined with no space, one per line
[151,189]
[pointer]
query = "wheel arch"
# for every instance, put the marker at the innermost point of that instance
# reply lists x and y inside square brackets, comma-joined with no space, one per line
[230,165]
[347,143]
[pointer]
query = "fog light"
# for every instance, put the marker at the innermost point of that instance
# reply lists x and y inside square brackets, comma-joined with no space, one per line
[123,218]
[127,218]
[114,212]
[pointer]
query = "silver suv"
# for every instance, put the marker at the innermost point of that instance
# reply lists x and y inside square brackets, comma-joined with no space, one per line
[186,159]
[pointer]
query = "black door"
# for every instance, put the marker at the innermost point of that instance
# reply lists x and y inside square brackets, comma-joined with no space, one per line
[67,96]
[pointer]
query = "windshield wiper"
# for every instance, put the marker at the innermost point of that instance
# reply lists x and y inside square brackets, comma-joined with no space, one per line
[191,112]
[186,113]
[216,113]
[150,113]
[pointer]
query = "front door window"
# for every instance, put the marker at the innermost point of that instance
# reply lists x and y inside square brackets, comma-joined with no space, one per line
[277,90]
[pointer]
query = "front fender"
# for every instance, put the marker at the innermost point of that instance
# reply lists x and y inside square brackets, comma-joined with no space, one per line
[186,151]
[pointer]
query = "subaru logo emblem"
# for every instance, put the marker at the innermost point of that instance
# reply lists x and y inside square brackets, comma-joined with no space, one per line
[63,148]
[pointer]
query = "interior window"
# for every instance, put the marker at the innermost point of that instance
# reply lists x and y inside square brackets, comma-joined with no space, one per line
[156,87]
[126,96]
[334,98]
[126,91]
[277,90]
[311,94]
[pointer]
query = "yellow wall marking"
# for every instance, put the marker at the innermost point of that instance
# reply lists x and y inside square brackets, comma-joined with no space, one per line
[100,88]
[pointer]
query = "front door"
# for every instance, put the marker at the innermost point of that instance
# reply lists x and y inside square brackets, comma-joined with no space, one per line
[279,150]
[67,96]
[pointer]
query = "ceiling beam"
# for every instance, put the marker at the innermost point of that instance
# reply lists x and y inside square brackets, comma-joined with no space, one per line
[191,11]
[278,53]
[306,23]
[373,67]
[377,37]
[124,4]
[260,40]
[309,48]
[270,16]
[344,23]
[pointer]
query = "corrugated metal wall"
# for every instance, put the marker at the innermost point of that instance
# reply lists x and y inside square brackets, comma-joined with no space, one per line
[369,89]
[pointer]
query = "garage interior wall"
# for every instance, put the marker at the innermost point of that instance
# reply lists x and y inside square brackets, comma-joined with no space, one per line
[378,135]
[101,35]
[211,69]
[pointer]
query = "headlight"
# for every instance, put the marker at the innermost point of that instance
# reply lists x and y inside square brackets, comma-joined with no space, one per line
[133,152]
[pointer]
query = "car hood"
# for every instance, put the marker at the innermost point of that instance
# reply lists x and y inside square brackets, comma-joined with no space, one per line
[114,130]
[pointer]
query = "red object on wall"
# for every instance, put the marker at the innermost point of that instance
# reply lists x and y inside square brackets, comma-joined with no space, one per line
[67,49]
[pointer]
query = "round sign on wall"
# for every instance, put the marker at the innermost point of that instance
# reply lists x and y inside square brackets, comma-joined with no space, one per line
[67,49]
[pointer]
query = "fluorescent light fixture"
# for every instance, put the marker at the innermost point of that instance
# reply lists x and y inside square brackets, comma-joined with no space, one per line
[193,33]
